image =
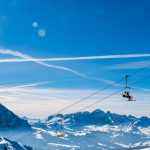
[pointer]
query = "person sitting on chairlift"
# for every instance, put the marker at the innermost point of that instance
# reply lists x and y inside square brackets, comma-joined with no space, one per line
[127,95]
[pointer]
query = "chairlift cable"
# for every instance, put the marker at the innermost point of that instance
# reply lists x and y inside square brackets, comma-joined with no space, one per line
[82,99]
[138,81]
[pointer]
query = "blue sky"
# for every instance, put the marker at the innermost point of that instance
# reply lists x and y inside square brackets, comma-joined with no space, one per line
[73,28]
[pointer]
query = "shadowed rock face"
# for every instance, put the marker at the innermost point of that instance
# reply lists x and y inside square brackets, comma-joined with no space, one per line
[143,122]
[9,120]
[96,130]
[98,117]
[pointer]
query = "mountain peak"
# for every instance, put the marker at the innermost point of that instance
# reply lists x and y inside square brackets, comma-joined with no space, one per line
[99,117]
[10,120]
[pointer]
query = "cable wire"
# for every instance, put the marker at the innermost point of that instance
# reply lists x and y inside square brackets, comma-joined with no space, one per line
[138,81]
[80,100]
[114,93]
[88,96]
[141,69]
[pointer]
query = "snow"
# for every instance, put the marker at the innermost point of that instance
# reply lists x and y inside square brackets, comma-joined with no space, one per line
[123,145]
[145,131]
[11,145]
[104,128]
[63,145]
[82,130]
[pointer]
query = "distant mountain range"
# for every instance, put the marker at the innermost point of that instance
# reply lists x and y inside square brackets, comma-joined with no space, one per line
[97,130]
[99,117]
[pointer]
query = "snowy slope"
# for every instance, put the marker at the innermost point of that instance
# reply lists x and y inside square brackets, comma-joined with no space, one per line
[88,131]
[6,144]
[85,131]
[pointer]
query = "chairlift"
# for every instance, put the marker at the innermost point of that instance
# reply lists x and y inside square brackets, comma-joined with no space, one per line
[126,93]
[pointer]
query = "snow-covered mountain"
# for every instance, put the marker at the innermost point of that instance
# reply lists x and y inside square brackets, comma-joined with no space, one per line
[9,120]
[99,117]
[6,144]
[90,131]
[85,131]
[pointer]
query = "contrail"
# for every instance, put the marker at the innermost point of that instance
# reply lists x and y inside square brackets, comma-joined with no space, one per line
[23,85]
[28,59]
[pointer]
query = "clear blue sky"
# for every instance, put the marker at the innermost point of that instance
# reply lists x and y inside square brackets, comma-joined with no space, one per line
[74,28]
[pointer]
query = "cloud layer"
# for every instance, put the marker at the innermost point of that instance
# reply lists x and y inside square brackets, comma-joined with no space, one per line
[130,65]
[48,101]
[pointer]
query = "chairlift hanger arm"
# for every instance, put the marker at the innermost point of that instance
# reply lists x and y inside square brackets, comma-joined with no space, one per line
[126,78]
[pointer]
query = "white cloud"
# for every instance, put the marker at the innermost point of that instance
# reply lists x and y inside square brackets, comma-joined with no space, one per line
[22,85]
[130,65]
[47,101]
